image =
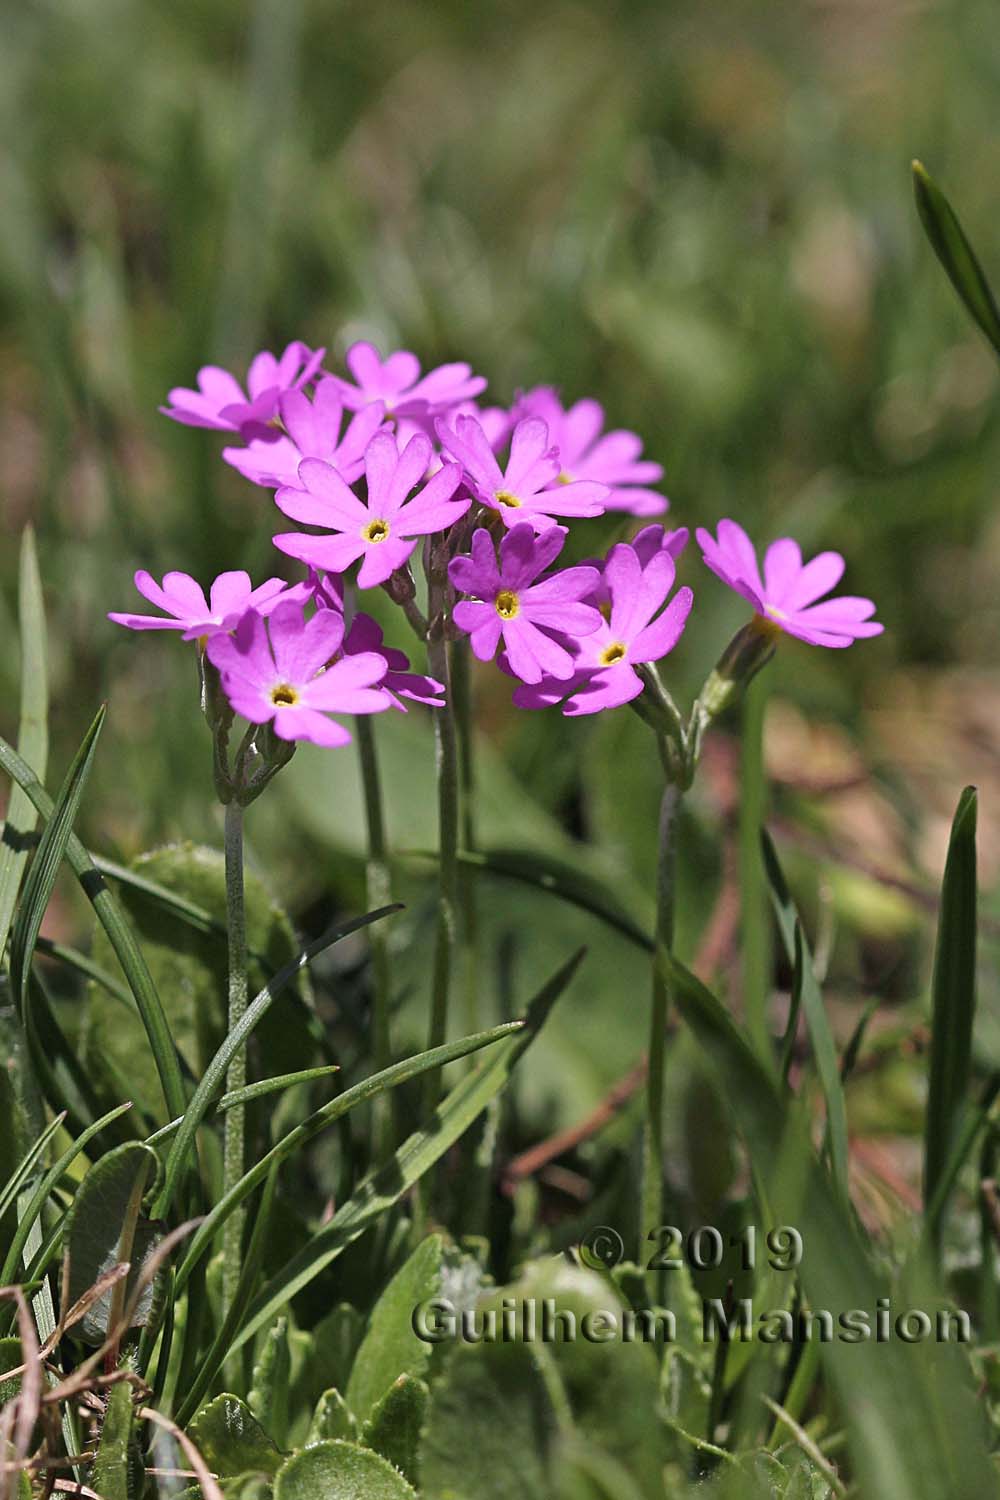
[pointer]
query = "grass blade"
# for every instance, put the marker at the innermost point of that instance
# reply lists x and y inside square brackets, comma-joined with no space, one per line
[953,250]
[954,999]
[16,1181]
[120,935]
[32,733]
[824,1049]
[48,858]
[247,1095]
[368,1088]
[918,1448]
[215,1072]
[416,1156]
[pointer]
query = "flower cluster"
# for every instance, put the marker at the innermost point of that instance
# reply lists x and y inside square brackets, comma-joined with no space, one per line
[374,463]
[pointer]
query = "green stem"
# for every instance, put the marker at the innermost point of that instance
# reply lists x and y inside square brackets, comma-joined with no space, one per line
[652,1186]
[469,937]
[236,1076]
[754,906]
[446,755]
[378,885]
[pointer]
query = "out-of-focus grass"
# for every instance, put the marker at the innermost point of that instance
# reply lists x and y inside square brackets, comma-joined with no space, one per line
[700,215]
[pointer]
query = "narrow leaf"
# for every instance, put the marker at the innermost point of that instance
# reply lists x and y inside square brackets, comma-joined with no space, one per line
[954,997]
[953,250]
[32,733]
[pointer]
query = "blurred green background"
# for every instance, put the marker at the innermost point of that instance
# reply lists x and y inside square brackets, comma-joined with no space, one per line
[700,215]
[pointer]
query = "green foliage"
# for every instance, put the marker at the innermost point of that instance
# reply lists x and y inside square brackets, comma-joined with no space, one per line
[396,1423]
[105,1228]
[390,1347]
[110,1474]
[953,250]
[339,1471]
[232,1441]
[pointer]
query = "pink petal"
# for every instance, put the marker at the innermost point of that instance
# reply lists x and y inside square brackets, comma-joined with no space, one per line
[334,553]
[665,631]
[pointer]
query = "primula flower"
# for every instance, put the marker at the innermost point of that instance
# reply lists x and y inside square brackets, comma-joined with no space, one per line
[229,598]
[529,489]
[789,596]
[365,634]
[384,530]
[510,604]
[397,383]
[586,451]
[604,663]
[220,401]
[277,672]
[312,430]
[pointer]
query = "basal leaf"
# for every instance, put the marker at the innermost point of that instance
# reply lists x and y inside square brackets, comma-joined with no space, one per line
[340,1471]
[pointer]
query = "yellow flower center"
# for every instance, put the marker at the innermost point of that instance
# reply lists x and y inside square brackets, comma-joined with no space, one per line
[611,654]
[775,613]
[505,497]
[375,531]
[507,604]
[564,478]
[284,695]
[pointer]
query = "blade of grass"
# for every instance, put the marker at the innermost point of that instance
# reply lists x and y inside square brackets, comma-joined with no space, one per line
[755,929]
[247,1095]
[45,864]
[32,733]
[417,1155]
[24,1169]
[368,1088]
[956,255]
[215,1072]
[954,1001]
[824,1050]
[120,935]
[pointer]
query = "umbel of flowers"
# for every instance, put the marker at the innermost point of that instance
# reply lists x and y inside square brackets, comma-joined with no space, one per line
[378,467]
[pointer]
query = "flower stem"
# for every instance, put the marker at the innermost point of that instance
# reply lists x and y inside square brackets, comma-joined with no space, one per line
[233,1149]
[652,1185]
[469,938]
[446,754]
[378,893]
[754,913]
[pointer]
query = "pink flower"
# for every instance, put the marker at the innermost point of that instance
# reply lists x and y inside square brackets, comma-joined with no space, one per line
[312,430]
[604,662]
[220,400]
[790,593]
[382,532]
[278,672]
[529,489]
[230,596]
[510,604]
[587,452]
[397,383]
[365,634]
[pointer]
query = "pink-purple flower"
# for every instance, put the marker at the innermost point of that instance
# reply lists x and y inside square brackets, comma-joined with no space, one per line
[586,451]
[382,530]
[396,381]
[790,592]
[365,634]
[185,607]
[511,605]
[312,430]
[639,629]
[530,487]
[279,671]
[220,401]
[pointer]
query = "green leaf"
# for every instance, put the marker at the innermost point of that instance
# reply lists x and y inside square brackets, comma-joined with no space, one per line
[824,1049]
[332,1418]
[47,859]
[268,1396]
[396,1422]
[416,1156]
[390,1347]
[32,733]
[392,1077]
[215,1071]
[110,1473]
[920,1448]
[27,1216]
[11,1356]
[340,1471]
[189,970]
[105,1227]
[23,1135]
[231,1440]
[954,1000]
[113,920]
[953,250]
